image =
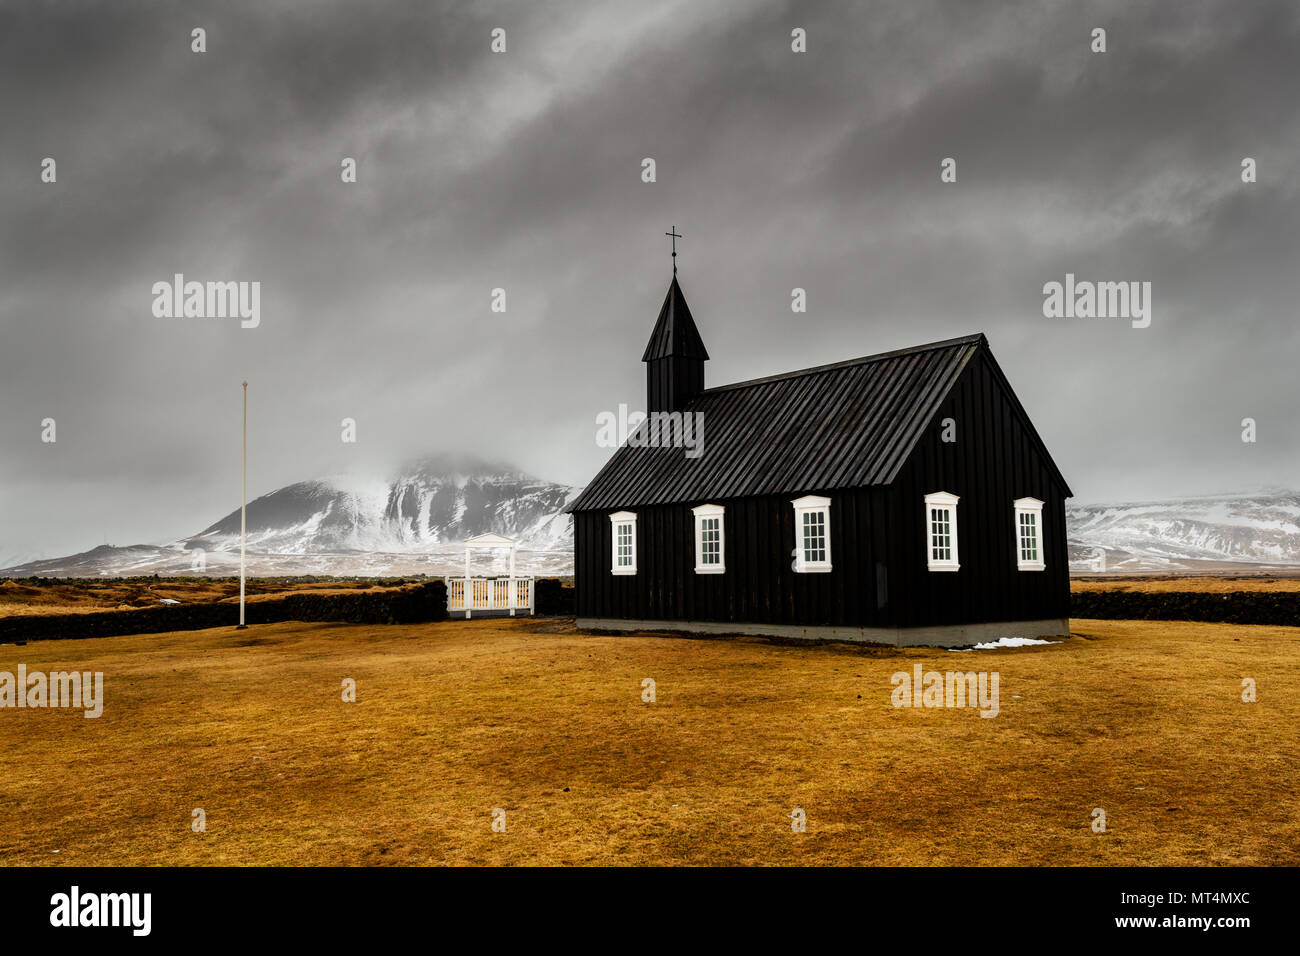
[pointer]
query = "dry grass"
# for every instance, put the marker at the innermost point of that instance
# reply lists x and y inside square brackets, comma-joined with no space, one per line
[455,719]
[1205,584]
[21,599]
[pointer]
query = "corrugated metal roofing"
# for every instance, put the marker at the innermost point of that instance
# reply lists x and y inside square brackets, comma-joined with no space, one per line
[675,332]
[845,425]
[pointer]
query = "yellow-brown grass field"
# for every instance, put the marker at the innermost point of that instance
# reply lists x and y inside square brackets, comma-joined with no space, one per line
[456,719]
[1204,584]
[22,599]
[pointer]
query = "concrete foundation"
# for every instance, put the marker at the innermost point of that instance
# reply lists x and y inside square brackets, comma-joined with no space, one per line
[954,635]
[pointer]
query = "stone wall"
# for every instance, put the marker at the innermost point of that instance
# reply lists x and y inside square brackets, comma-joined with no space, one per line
[411,605]
[1238,607]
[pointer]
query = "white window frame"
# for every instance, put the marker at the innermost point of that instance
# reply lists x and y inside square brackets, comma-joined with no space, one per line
[948,501]
[1034,508]
[703,513]
[811,504]
[616,520]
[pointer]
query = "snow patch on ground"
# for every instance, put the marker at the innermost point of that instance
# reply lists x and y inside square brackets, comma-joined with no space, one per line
[1004,642]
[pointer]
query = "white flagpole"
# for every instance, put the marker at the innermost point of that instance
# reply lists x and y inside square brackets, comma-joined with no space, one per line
[243,498]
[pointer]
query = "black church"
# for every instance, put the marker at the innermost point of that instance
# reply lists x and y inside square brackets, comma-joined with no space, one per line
[902,498]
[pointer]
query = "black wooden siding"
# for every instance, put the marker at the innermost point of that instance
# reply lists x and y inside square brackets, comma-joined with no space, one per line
[878,538]
[995,460]
[759,584]
[672,382]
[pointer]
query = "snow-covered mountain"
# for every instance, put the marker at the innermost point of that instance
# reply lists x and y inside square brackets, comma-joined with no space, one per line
[414,522]
[1219,532]
[432,505]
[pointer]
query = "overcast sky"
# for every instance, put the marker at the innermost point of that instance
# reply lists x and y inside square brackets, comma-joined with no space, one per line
[523,170]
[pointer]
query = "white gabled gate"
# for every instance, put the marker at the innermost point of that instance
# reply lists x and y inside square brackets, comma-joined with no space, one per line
[467,595]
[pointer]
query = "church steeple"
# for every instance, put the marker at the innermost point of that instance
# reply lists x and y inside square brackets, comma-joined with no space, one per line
[674,356]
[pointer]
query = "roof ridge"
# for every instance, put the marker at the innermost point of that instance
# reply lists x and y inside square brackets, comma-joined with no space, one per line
[972,339]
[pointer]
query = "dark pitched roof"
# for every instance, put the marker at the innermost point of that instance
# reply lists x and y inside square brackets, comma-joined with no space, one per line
[675,332]
[845,425]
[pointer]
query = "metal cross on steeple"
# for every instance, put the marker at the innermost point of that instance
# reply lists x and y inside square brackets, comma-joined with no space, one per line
[676,235]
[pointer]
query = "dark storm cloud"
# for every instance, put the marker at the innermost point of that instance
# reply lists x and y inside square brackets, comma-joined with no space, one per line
[522,171]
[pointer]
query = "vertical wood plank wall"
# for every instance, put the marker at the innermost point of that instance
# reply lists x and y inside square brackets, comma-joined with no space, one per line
[878,540]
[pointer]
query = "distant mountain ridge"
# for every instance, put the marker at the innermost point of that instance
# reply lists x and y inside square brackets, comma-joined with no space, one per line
[1256,531]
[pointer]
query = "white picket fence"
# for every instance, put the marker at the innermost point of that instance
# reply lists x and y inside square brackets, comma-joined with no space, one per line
[467,595]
